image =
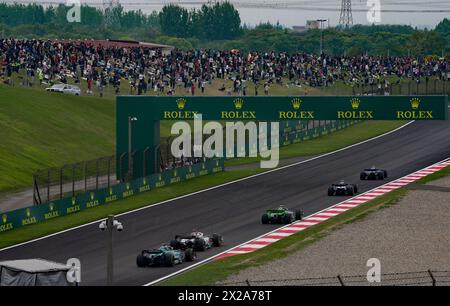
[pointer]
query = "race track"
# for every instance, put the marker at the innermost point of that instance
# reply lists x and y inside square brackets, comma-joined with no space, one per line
[235,209]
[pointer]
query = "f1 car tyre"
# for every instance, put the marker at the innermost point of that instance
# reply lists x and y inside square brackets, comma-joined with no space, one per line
[298,215]
[199,245]
[265,219]
[362,176]
[355,188]
[330,192]
[350,191]
[287,219]
[169,260]
[217,240]
[190,254]
[385,174]
[141,261]
[174,244]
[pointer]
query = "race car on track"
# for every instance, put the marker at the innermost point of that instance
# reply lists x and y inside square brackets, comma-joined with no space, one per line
[281,215]
[165,256]
[196,241]
[342,188]
[373,174]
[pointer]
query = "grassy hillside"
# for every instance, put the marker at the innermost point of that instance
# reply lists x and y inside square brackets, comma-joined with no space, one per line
[39,129]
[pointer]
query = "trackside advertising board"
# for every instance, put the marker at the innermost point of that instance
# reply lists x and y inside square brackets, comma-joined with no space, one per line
[283,108]
[66,206]
[142,133]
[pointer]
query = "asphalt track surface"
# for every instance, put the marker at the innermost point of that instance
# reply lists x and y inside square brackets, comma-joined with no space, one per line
[235,210]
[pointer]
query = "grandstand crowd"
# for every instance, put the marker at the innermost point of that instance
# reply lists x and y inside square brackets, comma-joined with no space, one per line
[150,70]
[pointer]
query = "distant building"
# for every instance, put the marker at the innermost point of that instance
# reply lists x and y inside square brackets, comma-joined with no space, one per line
[111,43]
[310,25]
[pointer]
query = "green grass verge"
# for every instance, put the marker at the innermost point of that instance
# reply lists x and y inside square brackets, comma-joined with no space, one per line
[147,198]
[219,270]
[330,142]
[435,176]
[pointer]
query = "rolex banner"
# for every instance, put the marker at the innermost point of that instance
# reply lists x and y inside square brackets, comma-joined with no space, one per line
[35,214]
[283,108]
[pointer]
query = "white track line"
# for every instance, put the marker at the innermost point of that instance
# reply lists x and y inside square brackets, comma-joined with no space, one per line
[233,249]
[211,188]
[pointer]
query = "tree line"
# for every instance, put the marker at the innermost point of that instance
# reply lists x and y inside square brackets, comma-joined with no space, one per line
[219,26]
[19,14]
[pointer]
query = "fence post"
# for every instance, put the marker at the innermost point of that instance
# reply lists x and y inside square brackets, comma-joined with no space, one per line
[248,282]
[73,180]
[167,148]
[341,281]
[121,167]
[109,171]
[34,190]
[85,176]
[144,161]
[157,168]
[61,182]
[36,196]
[48,185]
[433,279]
[96,173]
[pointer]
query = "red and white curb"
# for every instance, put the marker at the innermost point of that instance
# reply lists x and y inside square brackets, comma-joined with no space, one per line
[330,212]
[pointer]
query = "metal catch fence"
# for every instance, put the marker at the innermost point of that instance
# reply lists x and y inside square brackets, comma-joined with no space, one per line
[69,180]
[418,278]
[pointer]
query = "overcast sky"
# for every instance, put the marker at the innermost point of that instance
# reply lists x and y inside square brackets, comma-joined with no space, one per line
[296,12]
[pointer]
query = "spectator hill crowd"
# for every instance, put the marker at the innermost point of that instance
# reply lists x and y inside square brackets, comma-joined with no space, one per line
[147,69]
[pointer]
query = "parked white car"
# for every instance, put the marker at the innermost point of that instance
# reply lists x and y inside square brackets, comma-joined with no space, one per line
[65,88]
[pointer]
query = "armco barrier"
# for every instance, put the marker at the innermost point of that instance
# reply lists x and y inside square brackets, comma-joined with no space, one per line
[35,214]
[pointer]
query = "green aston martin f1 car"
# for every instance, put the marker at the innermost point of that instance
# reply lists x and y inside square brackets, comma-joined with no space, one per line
[281,215]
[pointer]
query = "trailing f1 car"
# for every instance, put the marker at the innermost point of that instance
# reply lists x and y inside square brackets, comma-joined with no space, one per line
[373,174]
[281,215]
[342,188]
[165,256]
[196,241]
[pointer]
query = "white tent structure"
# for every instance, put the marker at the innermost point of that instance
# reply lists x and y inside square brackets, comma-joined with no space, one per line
[33,272]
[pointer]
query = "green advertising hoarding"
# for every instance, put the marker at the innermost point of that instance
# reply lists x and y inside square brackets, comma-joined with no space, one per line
[283,108]
[39,213]
[142,134]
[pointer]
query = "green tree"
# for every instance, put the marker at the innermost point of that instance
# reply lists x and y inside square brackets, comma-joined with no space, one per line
[443,26]
[173,20]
